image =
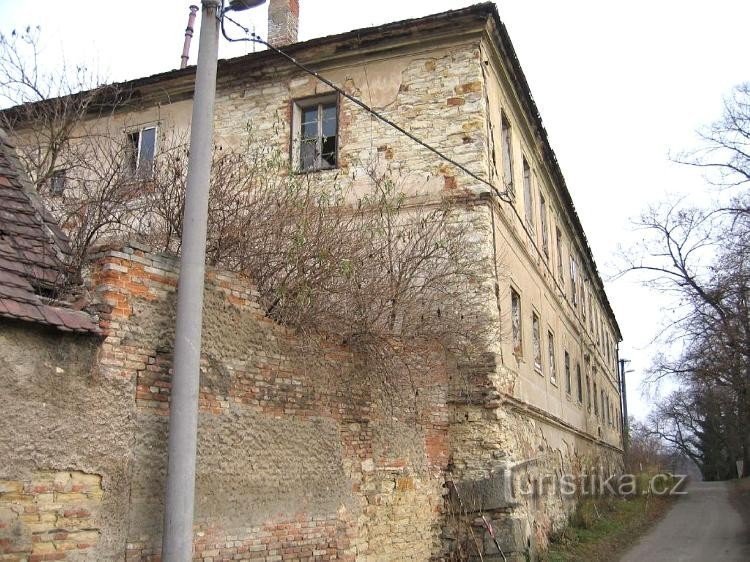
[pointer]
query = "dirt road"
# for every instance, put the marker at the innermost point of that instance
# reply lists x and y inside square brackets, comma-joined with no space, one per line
[702,526]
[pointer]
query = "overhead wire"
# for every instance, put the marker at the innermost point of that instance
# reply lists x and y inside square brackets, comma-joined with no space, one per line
[256,39]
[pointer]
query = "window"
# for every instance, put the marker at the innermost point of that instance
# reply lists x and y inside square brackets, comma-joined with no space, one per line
[506,140]
[551,353]
[573,279]
[57,182]
[536,342]
[604,408]
[528,196]
[141,151]
[585,297]
[567,373]
[315,134]
[559,247]
[580,383]
[515,311]
[596,400]
[543,224]
[588,394]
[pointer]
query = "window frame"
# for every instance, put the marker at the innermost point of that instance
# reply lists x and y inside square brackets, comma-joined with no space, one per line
[295,145]
[559,246]
[58,175]
[515,298]
[506,149]
[528,194]
[135,164]
[551,357]
[544,224]
[536,343]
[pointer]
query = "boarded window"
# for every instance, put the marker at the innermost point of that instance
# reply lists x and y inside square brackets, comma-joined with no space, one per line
[316,134]
[528,196]
[515,311]
[536,340]
[551,358]
[507,148]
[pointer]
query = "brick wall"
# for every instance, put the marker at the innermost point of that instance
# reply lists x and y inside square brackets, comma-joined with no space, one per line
[300,453]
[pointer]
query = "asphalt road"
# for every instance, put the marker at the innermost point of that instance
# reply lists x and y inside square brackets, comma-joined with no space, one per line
[701,526]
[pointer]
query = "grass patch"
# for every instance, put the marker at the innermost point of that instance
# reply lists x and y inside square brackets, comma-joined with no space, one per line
[603,527]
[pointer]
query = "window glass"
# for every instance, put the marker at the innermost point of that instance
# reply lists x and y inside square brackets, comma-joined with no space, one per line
[527,195]
[317,136]
[559,246]
[515,306]
[536,341]
[57,182]
[543,224]
[505,139]
[596,401]
[148,149]
[551,351]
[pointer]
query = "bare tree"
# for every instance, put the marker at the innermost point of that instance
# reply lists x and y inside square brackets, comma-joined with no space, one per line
[376,270]
[372,270]
[700,257]
[60,123]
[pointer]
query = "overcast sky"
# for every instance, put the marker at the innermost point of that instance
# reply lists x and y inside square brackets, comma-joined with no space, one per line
[619,85]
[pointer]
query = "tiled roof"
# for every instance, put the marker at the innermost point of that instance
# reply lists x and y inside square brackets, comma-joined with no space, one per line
[33,250]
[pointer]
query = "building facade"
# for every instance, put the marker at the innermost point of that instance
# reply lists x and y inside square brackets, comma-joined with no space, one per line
[545,399]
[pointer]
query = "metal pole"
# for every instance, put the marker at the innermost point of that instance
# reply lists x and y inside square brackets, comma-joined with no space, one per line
[623,393]
[177,542]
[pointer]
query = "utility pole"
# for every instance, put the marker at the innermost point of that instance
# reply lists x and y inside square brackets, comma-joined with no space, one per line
[624,403]
[177,541]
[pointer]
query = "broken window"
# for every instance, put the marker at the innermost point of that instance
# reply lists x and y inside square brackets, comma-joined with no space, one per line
[580,383]
[141,150]
[567,373]
[527,195]
[551,351]
[515,310]
[536,338]
[543,224]
[506,140]
[316,134]
[57,182]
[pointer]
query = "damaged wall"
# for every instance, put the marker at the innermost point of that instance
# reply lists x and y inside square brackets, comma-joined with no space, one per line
[66,448]
[299,454]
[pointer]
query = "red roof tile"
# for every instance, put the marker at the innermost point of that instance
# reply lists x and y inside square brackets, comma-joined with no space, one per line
[33,253]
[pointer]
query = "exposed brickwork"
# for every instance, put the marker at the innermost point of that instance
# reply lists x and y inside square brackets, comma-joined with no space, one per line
[388,450]
[51,516]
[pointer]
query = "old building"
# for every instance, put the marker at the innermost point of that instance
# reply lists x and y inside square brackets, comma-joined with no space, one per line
[327,476]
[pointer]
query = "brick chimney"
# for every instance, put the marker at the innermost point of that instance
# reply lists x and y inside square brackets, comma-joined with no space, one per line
[283,18]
